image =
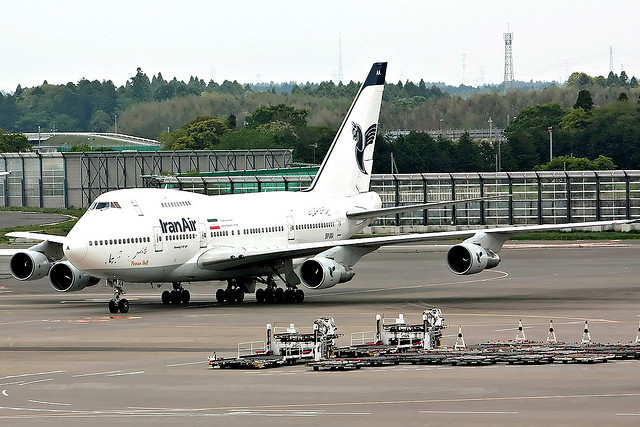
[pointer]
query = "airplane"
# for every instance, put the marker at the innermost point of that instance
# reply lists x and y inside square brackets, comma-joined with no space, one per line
[5,173]
[162,236]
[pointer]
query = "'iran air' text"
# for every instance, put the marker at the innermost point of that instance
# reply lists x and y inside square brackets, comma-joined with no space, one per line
[187,224]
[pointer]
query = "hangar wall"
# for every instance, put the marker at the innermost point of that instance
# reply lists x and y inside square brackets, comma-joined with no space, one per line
[73,180]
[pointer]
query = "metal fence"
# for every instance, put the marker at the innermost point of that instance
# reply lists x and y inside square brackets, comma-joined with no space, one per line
[76,179]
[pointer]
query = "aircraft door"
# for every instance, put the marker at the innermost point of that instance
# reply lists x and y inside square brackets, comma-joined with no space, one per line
[157,237]
[202,235]
[291,228]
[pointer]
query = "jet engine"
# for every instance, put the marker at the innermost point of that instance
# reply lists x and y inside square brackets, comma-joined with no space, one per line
[323,273]
[64,277]
[469,258]
[29,265]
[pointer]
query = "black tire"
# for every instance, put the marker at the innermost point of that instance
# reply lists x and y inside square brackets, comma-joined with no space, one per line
[166,297]
[113,306]
[229,296]
[185,296]
[268,295]
[220,295]
[239,295]
[123,305]
[287,296]
[279,295]
[299,295]
[176,297]
[260,295]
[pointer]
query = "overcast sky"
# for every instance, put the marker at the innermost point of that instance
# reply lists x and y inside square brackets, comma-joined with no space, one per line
[250,41]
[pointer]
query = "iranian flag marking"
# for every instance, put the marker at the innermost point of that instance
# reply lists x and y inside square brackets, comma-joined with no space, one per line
[213,224]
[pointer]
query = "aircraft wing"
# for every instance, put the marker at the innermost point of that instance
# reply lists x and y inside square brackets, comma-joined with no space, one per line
[374,213]
[37,236]
[229,258]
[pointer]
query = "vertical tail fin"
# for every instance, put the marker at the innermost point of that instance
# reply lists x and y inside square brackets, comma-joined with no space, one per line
[346,169]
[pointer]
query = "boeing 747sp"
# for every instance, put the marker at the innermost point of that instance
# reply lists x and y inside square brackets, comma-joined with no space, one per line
[168,236]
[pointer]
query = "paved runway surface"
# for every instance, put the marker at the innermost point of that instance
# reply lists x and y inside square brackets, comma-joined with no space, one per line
[66,361]
[13,219]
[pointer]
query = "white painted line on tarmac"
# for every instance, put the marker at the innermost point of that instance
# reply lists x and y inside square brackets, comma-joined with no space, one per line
[4,393]
[50,403]
[35,381]
[126,373]
[96,373]
[185,364]
[28,375]
[471,412]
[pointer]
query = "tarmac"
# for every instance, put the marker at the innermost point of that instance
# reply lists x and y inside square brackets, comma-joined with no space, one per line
[66,361]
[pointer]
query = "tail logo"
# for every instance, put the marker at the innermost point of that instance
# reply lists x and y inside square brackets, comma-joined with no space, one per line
[362,142]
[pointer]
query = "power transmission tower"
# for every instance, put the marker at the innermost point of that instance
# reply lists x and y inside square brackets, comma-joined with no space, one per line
[508,61]
[611,59]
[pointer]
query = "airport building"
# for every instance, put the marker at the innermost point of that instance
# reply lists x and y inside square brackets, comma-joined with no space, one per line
[75,179]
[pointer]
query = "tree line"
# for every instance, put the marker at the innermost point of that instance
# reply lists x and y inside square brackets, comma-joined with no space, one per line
[590,117]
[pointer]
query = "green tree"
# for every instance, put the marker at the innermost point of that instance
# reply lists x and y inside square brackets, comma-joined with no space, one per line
[13,142]
[281,112]
[584,100]
[140,86]
[528,134]
[201,133]
[577,164]
[100,122]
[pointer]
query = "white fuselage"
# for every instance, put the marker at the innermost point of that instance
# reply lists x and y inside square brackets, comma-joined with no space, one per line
[154,235]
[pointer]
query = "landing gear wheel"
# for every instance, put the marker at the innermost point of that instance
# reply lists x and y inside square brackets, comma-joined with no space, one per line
[175,297]
[113,306]
[220,295]
[289,296]
[299,295]
[230,296]
[117,303]
[279,295]
[260,295]
[166,297]
[123,305]
[268,295]
[185,296]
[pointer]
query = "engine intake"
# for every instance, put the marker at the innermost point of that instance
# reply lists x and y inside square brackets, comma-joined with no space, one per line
[323,273]
[29,265]
[64,277]
[469,258]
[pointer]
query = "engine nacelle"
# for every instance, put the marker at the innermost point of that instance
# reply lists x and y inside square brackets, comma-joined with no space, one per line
[29,265]
[64,277]
[323,273]
[469,258]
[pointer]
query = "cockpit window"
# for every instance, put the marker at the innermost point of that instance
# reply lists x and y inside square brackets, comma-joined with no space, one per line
[104,205]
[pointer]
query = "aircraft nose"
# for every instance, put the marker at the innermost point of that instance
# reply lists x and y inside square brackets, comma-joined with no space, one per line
[75,249]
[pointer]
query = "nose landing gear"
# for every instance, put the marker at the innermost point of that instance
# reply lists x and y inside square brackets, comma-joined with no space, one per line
[118,303]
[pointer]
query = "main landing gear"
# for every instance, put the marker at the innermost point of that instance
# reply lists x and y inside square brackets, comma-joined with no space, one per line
[178,295]
[234,292]
[273,294]
[118,303]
